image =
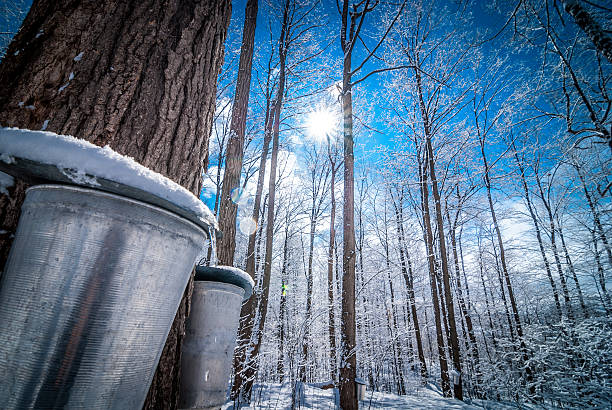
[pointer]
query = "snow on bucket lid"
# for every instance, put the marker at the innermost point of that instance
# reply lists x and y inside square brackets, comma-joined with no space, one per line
[226,274]
[45,156]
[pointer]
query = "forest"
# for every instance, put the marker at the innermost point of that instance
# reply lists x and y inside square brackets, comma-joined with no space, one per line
[421,192]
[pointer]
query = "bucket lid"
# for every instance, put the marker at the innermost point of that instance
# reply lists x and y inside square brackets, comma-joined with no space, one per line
[226,274]
[40,157]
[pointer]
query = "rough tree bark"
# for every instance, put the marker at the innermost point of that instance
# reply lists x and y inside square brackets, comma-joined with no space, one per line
[348,362]
[235,145]
[141,79]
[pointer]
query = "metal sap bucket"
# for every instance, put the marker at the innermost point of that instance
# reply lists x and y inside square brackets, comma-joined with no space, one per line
[89,293]
[210,338]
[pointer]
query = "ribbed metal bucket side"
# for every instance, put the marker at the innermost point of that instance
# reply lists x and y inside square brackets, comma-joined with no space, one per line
[209,344]
[88,296]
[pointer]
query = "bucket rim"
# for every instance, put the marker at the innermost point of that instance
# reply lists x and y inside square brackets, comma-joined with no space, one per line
[226,274]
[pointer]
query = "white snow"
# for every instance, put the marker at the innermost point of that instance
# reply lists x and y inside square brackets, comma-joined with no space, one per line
[16,53]
[83,162]
[79,56]
[21,104]
[40,33]
[71,76]
[6,181]
[277,396]
[45,124]
[30,107]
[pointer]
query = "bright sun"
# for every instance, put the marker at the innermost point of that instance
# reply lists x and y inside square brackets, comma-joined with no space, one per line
[321,124]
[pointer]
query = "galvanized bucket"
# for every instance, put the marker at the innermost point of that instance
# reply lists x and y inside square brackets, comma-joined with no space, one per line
[210,337]
[88,296]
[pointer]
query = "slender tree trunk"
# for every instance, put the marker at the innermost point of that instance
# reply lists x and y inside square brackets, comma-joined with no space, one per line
[601,275]
[309,285]
[448,300]
[330,274]
[428,234]
[399,362]
[473,345]
[553,245]
[226,246]
[537,230]
[122,89]
[283,306]
[502,254]
[502,291]
[247,313]
[250,372]
[596,217]
[348,363]
[570,265]
[487,304]
[406,267]
[599,37]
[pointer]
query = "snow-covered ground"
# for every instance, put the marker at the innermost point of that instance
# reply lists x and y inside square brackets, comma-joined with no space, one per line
[277,396]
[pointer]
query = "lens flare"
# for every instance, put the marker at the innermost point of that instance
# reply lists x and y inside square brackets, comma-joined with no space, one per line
[235,195]
[247,226]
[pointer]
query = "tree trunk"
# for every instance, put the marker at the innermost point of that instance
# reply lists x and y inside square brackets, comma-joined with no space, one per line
[517,319]
[330,274]
[428,236]
[348,362]
[596,218]
[283,307]
[141,79]
[228,210]
[553,245]
[247,313]
[267,268]
[409,280]
[450,310]
[309,285]
[537,229]
[601,41]
[570,265]
[473,345]
[394,331]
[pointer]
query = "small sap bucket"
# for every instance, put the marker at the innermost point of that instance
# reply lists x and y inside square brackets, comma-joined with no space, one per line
[210,338]
[89,293]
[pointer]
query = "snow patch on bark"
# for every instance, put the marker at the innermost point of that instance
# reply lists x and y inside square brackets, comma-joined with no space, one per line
[6,181]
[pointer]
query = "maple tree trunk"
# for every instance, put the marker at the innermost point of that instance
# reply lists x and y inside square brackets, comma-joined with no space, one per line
[228,209]
[141,79]
[330,276]
[348,367]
